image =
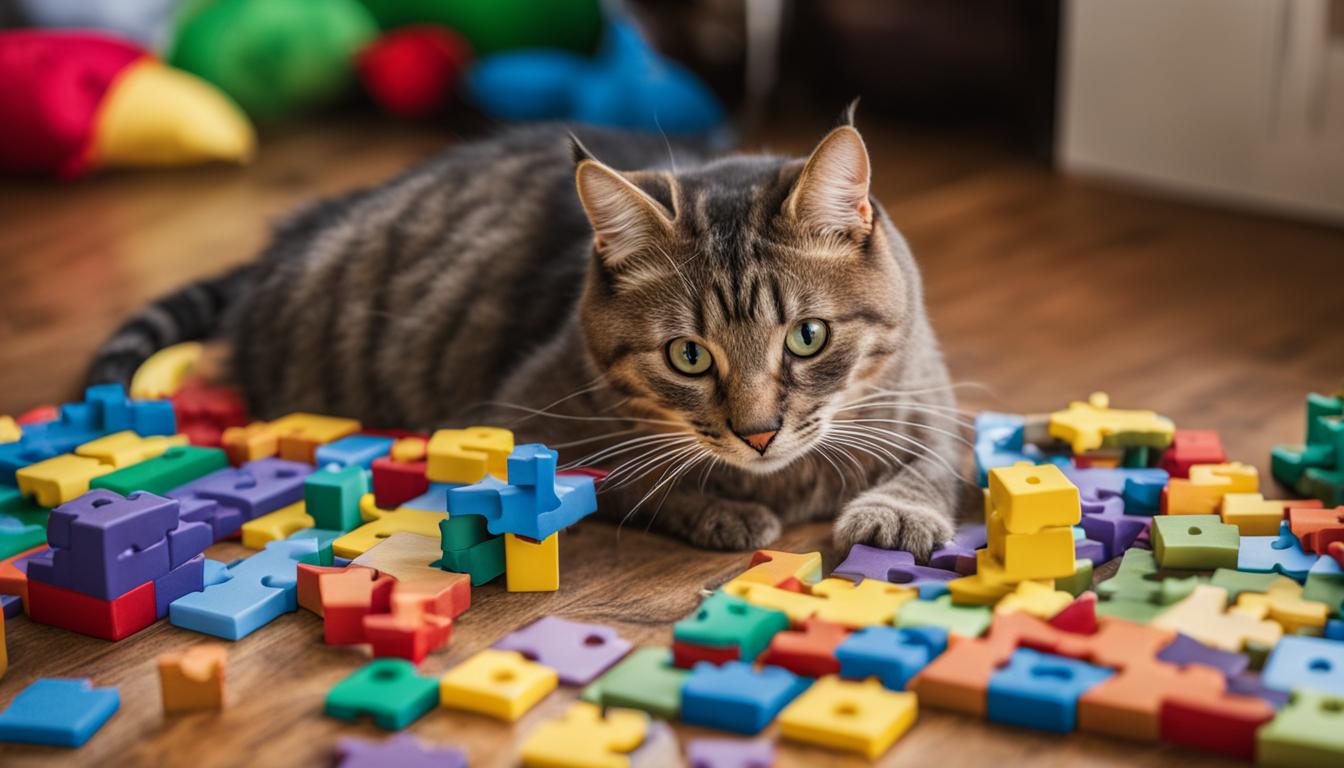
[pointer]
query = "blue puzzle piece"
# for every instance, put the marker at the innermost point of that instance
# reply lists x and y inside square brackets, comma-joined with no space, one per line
[735,697]
[1275,554]
[104,544]
[323,537]
[256,488]
[1334,628]
[354,451]
[112,411]
[889,654]
[11,605]
[435,499]
[181,581]
[534,503]
[1038,690]
[255,592]
[59,712]
[1306,662]
[1000,441]
[1134,491]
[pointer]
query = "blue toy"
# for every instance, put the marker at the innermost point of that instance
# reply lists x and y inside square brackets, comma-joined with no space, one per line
[250,594]
[433,500]
[1275,554]
[1334,628]
[1000,441]
[628,85]
[735,697]
[1306,662]
[1041,691]
[534,503]
[59,712]
[889,654]
[354,451]
[1134,491]
[323,538]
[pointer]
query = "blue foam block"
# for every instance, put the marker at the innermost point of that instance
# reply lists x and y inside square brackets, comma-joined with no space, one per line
[354,451]
[252,593]
[435,499]
[1275,554]
[534,503]
[1306,662]
[59,712]
[735,697]
[1041,691]
[889,654]
[1334,628]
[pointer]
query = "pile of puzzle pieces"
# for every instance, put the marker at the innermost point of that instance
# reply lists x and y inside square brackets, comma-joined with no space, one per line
[1316,467]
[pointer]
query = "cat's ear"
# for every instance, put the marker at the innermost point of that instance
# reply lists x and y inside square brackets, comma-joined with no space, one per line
[830,196]
[626,220]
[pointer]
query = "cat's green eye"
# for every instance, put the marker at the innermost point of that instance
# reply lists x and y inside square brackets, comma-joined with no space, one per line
[807,337]
[688,356]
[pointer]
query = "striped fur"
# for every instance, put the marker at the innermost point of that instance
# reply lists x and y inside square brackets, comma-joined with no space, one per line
[470,290]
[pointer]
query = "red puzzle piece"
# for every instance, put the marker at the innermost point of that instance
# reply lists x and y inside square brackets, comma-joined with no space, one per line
[1191,447]
[685,655]
[809,652]
[309,585]
[349,596]
[1317,529]
[1079,617]
[78,612]
[395,482]
[1225,724]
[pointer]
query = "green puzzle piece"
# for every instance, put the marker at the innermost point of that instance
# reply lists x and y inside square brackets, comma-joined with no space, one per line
[725,621]
[331,497]
[644,680]
[1236,582]
[462,532]
[1080,581]
[388,690]
[1136,611]
[1138,581]
[1289,463]
[964,620]
[1307,733]
[1324,484]
[1325,585]
[1319,410]
[1194,541]
[175,467]
[483,561]
[23,524]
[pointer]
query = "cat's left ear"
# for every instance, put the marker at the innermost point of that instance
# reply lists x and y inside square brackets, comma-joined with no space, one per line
[830,196]
[627,221]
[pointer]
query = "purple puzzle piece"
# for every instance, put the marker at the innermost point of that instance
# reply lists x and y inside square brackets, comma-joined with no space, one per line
[872,562]
[183,580]
[1250,683]
[731,753]
[223,521]
[12,605]
[578,652]
[917,575]
[1087,549]
[187,540]
[402,750]
[104,544]
[257,487]
[1115,530]
[1187,650]
[959,554]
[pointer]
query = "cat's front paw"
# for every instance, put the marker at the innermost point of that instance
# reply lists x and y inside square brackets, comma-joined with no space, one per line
[734,525]
[880,520]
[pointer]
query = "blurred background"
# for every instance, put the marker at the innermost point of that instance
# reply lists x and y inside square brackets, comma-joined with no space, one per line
[1130,157]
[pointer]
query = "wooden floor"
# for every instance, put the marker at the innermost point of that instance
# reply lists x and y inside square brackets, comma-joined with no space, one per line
[1043,289]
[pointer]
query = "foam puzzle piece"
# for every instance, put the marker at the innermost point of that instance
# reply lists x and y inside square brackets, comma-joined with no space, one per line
[1029,498]
[1035,599]
[308,589]
[1316,527]
[104,545]
[729,624]
[1225,724]
[1275,554]
[961,620]
[381,523]
[810,651]
[419,619]
[23,524]
[1283,602]
[250,442]
[353,451]
[257,487]
[405,557]
[1253,514]
[785,569]
[1307,733]
[1116,530]
[1237,582]
[1138,580]
[483,562]
[1194,542]
[11,606]
[122,449]
[730,753]
[499,684]
[1202,493]
[578,652]
[839,601]
[14,571]
[397,482]
[276,526]
[736,697]
[402,750]
[332,497]
[468,455]
[1250,683]
[1079,616]
[1136,491]
[1203,616]
[1080,581]
[1044,554]
[192,680]
[224,521]
[1185,650]
[891,655]
[388,690]
[1190,447]
[183,580]
[1325,584]
[868,562]
[1128,705]
[535,503]
[253,593]
[59,712]
[299,435]
[646,680]
[1094,424]
[860,717]
[347,597]
[532,566]
[586,736]
[174,468]
[1306,663]
[1041,691]
[59,479]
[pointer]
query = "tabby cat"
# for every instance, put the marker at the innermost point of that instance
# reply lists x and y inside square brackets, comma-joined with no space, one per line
[742,340]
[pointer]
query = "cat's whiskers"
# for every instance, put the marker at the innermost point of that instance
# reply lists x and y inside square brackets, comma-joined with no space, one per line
[567,417]
[592,386]
[882,435]
[677,466]
[919,408]
[594,438]
[914,424]
[625,446]
[650,453]
[646,463]
[921,389]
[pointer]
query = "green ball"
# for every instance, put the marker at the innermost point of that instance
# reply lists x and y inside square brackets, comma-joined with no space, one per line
[274,57]
[492,26]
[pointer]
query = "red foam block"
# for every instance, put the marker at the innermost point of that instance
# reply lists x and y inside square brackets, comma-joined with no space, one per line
[78,612]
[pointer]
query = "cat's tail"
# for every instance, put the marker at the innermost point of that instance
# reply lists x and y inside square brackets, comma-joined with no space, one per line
[191,313]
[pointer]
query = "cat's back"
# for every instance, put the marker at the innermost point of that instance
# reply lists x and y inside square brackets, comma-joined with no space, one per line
[376,303]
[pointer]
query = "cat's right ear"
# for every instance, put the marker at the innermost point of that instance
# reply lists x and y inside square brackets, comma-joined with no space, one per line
[626,220]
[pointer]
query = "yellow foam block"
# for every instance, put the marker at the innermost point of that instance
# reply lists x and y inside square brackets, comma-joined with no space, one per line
[1253,514]
[122,449]
[1094,424]
[9,429]
[383,523]
[1029,497]
[257,440]
[193,679]
[838,601]
[277,525]
[60,478]
[1203,492]
[532,566]
[501,684]
[773,568]
[1204,616]
[1045,554]
[163,372]
[1283,603]
[988,584]
[586,738]
[299,434]
[853,716]
[466,455]
[1036,599]
[409,449]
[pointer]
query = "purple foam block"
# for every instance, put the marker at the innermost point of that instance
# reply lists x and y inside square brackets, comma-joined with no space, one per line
[104,545]
[402,750]
[1087,549]
[188,540]
[182,580]
[872,562]
[918,574]
[1115,530]
[223,521]
[731,753]
[257,487]
[959,554]
[1250,683]
[12,605]
[578,652]
[1187,650]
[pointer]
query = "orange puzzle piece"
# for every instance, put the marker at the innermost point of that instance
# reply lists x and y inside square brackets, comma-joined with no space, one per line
[193,679]
[1128,704]
[786,570]
[1317,528]
[348,597]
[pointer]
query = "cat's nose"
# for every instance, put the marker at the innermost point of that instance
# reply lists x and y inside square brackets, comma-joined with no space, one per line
[759,440]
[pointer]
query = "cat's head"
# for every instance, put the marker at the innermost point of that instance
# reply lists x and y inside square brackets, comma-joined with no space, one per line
[744,301]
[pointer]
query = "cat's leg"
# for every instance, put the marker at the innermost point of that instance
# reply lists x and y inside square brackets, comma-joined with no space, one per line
[913,511]
[705,519]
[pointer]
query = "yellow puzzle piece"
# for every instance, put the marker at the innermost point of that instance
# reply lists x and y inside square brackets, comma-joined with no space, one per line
[1036,599]
[1283,603]
[1203,492]
[1204,616]
[501,684]
[1045,554]
[1028,498]
[838,601]
[1094,424]
[854,716]
[532,566]
[585,738]
[774,568]
[409,449]
[60,479]
[277,525]
[466,455]
[163,372]
[9,429]
[257,440]
[383,523]
[300,434]
[1253,514]
[122,449]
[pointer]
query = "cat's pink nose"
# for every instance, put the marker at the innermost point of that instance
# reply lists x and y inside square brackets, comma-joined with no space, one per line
[760,440]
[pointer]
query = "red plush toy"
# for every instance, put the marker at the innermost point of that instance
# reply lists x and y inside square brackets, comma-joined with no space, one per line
[412,71]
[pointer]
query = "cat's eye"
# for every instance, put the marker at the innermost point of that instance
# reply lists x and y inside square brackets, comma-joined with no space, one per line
[688,356]
[807,337]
